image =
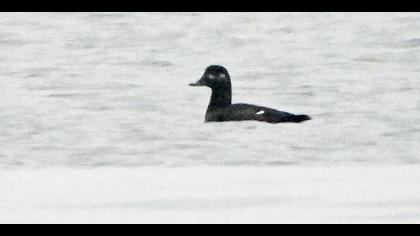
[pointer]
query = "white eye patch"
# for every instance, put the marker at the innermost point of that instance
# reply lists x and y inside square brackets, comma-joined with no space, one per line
[220,76]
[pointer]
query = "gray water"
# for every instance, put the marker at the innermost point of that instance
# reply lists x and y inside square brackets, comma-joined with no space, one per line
[81,89]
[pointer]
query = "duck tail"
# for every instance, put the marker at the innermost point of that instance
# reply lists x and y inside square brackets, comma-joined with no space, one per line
[301,118]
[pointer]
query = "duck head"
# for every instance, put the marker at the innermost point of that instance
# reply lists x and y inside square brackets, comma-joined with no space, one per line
[215,77]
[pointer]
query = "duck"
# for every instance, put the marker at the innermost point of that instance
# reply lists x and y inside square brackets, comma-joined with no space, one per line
[221,109]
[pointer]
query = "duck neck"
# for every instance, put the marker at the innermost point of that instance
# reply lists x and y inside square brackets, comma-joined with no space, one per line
[221,97]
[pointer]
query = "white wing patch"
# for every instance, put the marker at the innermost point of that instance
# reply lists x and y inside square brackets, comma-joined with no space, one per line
[260,112]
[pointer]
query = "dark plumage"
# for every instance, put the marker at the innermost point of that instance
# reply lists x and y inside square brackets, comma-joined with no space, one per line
[221,108]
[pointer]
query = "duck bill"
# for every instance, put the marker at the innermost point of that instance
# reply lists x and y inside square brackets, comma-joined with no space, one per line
[199,83]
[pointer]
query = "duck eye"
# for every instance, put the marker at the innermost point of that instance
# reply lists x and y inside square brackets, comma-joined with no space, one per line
[211,76]
[222,76]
